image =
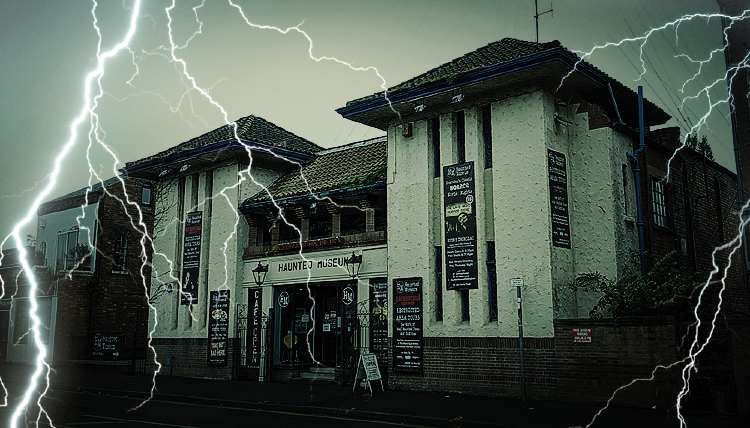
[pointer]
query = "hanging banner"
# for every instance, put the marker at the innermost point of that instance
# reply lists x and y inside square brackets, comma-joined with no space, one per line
[460,227]
[191,258]
[218,328]
[407,325]
[558,198]
[254,326]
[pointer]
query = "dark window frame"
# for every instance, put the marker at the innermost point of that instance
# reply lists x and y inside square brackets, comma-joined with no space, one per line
[487,135]
[492,279]
[459,124]
[438,284]
[120,253]
[435,134]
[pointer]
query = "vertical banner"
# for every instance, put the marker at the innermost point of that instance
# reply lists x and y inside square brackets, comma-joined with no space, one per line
[558,199]
[407,325]
[460,227]
[379,319]
[255,326]
[191,258]
[218,328]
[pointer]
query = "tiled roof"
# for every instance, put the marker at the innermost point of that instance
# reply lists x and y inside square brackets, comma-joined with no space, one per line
[352,165]
[497,52]
[94,188]
[250,129]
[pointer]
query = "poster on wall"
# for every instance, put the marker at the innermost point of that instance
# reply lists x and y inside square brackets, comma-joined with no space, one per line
[255,326]
[407,325]
[460,227]
[558,198]
[218,328]
[379,318]
[191,258]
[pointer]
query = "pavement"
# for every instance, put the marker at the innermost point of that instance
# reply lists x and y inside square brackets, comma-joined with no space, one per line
[393,406]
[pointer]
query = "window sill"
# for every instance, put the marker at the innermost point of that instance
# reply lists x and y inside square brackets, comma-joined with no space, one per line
[120,272]
[629,219]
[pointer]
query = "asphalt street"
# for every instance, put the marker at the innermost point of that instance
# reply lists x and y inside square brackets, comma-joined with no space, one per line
[69,409]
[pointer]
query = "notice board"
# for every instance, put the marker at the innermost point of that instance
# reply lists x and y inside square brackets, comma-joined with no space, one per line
[407,325]
[218,328]
[191,258]
[460,227]
[558,198]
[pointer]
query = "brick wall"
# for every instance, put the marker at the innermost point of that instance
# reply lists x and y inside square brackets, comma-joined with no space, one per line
[190,358]
[106,300]
[555,368]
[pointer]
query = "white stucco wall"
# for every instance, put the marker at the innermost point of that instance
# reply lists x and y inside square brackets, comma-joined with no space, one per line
[224,237]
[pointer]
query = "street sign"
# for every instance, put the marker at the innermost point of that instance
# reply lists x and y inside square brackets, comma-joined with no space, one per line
[107,346]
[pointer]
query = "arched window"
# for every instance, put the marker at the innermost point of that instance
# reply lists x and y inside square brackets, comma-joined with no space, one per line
[120,256]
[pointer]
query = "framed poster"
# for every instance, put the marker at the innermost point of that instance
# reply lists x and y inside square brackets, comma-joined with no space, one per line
[218,328]
[407,325]
[460,227]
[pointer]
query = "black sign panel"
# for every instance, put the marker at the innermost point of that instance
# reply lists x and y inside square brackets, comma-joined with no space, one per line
[407,325]
[191,258]
[379,319]
[107,346]
[558,198]
[218,328]
[460,227]
[254,326]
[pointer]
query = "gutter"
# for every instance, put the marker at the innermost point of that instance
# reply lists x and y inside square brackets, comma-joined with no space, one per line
[561,55]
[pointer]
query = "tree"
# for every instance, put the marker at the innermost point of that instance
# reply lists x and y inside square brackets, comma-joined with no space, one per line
[664,290]
[702,146]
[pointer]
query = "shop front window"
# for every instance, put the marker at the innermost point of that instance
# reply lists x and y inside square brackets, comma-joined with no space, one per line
[291,325]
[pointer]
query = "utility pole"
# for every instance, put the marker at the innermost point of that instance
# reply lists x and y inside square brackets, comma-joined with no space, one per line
[537,15]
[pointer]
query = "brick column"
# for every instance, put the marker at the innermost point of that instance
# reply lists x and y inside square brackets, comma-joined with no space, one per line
[368,204]
[303,213]
[335,212]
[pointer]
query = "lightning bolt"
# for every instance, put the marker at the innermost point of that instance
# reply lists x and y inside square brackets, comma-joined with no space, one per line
[42,367]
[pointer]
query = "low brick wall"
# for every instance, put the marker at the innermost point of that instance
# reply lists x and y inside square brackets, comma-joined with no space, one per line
[190,358]
[556,368]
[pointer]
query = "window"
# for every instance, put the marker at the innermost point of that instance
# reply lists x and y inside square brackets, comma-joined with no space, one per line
[719,212]
[120,254]
[209,192]
[21,321]
[288,233]
[459,126]
[465,316]
[41,255]
[435,125]
[66,250]
[353,221]
[194,192]
[321,226]
[487,134]
[492,280]
[146,195]
[438,283]
[659,202]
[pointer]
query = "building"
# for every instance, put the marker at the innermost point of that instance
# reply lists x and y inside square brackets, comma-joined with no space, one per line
[509,175]
[321,313]
[200,236]
[91,280]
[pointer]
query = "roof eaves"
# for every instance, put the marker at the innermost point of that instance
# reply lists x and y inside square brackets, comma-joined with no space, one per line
[250,207]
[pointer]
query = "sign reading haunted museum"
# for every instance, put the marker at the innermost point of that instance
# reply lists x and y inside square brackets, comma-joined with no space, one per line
[218,328]
[191,258]
[558,197]
[254,326]
[407,325]
[460,227]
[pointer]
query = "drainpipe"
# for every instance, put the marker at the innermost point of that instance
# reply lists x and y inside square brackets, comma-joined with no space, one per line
[636,169]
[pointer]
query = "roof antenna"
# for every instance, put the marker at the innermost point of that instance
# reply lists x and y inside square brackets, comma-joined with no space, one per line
[536,17]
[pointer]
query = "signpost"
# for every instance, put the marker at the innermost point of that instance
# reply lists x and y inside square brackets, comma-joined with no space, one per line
[407,325]
[518,283]
[460,227]
[191,258]
[218,328]
[371,371]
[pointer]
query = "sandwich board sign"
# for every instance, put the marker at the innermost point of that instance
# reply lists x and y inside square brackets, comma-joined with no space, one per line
[370,371]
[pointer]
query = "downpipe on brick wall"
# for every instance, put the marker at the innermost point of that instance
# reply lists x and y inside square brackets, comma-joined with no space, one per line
[636,169]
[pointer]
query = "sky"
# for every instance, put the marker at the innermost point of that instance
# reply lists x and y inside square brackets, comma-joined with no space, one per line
[49,47]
